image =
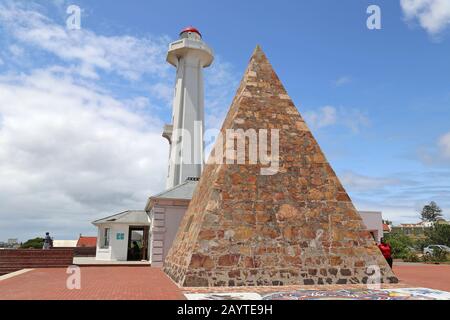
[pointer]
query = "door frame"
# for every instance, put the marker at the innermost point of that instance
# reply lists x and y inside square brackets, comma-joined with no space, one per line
[145,242]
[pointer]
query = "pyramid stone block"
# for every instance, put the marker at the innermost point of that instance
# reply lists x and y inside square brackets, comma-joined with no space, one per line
[296,226]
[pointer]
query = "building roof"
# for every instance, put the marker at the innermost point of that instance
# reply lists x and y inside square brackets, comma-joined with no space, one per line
[379,213]
[87,242]
[183,191]
[128,217]
[386,227]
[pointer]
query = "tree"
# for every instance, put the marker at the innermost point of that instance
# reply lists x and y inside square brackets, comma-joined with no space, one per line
[431,212]
[401,245]
[439,234]
[36,243]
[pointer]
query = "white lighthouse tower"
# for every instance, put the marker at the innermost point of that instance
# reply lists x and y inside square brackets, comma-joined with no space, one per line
[189,55]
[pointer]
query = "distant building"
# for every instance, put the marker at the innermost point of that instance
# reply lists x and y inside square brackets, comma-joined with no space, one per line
[64,243]
[442,221]
[13,242]
[416,229]
[10,244]
[411,229]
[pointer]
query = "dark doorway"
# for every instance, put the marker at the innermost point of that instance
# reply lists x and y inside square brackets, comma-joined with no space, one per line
[138,244]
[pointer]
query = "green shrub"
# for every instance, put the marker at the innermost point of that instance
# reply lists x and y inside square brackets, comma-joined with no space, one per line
[438,255]
[400,245]
[36,243]
[439,234]
[411,257]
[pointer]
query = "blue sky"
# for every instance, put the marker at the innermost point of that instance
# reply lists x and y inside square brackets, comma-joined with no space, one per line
[81,111]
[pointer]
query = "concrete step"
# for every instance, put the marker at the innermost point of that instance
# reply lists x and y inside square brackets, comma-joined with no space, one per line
[7,260]
[59,255]
[35,265]
[14,269]
[4,271]
[32,260]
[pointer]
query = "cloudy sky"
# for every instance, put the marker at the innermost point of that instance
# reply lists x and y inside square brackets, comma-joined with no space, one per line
[82,111]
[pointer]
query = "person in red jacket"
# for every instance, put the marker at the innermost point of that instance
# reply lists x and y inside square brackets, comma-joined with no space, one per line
[386,250]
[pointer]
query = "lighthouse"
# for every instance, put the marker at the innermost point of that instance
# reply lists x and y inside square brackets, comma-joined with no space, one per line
[189,55]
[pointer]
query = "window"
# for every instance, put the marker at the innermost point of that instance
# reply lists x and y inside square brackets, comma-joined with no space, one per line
[105,238]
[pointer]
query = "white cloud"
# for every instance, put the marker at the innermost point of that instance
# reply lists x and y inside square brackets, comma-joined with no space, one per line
[354,119]
[444,144]
[16,51]
[342,81]
[127,56]
[163,91]
[220,87]
[328,116]
[324,117]
[357,182]
[437,154]
[432,15]
[75,145]
[69,154]
[396,212]
[400,196]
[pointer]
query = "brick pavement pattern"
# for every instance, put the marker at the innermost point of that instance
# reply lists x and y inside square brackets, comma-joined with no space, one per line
[422,275]
[128,283]
[97,283]
[297,226]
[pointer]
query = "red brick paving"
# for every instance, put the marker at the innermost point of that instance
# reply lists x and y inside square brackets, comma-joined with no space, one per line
[97,283]
[426,276]
[144,283]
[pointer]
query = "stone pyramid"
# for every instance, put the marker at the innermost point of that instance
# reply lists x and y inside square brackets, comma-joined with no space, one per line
[294,227]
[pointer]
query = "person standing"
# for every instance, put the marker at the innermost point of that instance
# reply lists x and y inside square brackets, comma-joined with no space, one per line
[48,241]
[386,250]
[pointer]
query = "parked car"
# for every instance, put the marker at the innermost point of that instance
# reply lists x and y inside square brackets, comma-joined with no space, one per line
[429,250]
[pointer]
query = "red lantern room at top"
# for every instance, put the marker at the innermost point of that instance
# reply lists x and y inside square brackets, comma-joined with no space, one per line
[190,33]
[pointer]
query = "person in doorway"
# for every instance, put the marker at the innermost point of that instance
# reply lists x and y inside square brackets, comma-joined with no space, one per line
[136,251]
[386,250]
[48,242]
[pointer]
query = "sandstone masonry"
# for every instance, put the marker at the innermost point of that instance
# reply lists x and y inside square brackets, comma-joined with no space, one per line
[296,227]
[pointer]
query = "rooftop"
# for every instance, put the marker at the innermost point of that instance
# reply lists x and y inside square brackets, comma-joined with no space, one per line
[183,191]
[87,242]
[129,217]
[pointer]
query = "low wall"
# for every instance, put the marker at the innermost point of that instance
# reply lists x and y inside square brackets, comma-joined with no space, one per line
[14,260]
[84,251]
